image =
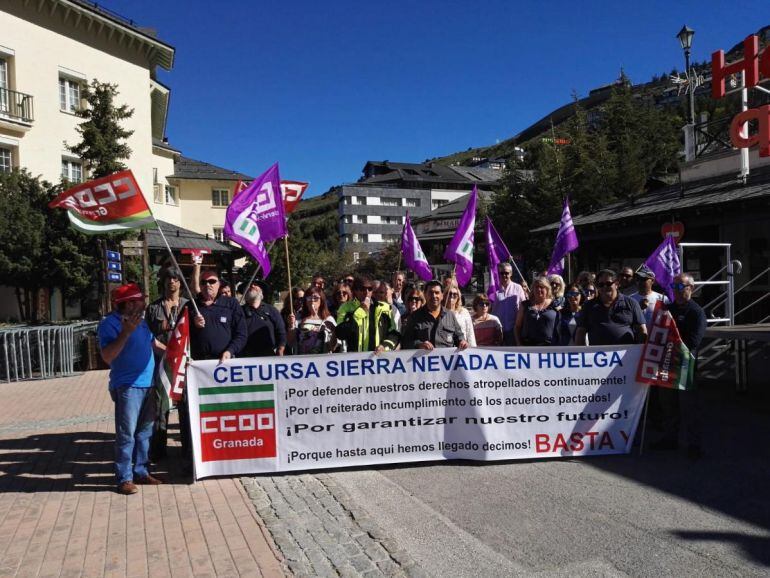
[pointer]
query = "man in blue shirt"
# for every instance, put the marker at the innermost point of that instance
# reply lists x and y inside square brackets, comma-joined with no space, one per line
[126,344]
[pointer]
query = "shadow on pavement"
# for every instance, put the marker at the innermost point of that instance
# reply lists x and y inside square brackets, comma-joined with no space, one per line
[756,547]
[72,461]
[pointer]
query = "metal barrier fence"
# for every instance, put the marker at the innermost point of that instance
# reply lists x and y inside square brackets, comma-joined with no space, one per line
[41,352]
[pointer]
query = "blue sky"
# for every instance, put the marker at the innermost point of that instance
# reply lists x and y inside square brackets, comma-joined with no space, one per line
[322,87]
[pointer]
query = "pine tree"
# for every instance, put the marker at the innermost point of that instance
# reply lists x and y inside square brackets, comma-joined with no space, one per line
[101,147]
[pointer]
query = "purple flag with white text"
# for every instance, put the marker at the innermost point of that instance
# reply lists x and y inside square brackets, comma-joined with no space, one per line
[566,241]
[248,216]
[460,249]
[413,255]
[263,202]
[497,253]
[664,262]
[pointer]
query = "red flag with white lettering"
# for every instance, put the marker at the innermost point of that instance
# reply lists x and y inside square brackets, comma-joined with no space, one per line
[173,368]
[292,192]
[111,203]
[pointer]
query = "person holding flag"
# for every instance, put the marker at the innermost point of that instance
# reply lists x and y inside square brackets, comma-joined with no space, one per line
[162,316]
[675,407]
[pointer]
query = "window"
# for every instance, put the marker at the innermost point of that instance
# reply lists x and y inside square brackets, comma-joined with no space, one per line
[220,197]
[360,201]
[72,170]
[347,200]
[3,85]
[6,160]
[438,203]
[219,234]
[390,202]
[391,220]
[347,219]
[391,238]
[171,198]
[69,94]
[360,219]
[411,202]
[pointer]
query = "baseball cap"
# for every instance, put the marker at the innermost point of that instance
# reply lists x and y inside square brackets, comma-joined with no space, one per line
[127,292]
[644,272]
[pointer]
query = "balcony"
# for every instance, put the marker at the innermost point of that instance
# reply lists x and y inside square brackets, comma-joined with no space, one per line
[16,107]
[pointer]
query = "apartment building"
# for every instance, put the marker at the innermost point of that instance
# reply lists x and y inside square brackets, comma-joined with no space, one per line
[372,211]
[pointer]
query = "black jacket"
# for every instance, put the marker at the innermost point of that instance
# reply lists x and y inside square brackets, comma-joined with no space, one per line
[225,329]
[266,331]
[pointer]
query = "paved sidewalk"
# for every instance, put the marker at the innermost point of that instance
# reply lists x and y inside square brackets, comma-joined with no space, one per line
[60,514]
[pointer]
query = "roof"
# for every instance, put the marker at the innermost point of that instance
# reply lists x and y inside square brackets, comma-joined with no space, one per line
[713,192]
[156,142]
[158,52]
[478,174]
[180,238]
[443,222]
[427,173]
[187,168]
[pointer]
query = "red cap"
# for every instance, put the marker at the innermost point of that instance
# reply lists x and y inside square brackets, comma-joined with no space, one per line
[128,292]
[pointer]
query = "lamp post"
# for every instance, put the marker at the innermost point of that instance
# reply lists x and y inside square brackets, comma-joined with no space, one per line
[685,40]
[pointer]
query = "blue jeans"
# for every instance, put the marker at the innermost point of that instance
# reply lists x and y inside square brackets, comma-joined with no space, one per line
[133,429]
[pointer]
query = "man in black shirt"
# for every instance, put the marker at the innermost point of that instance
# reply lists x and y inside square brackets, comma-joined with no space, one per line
[611,318]
[681,407]
[219,330]
[432,325]
[265,326]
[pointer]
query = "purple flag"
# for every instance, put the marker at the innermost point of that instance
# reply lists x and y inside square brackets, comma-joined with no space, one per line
[664,262]
[248,215]
[413,255]
[262,203]
[497,253]
[566,241]
[460,249]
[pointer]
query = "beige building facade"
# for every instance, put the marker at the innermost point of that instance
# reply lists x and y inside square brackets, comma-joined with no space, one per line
[50,50]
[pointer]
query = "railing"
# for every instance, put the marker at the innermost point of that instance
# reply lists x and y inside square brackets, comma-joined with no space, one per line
[16,105]
[41,352]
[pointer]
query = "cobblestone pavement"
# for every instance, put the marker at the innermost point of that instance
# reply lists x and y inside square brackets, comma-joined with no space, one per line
[319,530]
[60,514]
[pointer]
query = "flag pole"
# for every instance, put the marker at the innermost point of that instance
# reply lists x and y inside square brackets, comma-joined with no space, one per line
[515,266]
[173,259]
[254,275]
[401,246]
[288,273]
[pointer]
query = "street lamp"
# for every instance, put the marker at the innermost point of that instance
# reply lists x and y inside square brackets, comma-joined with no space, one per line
[685,40]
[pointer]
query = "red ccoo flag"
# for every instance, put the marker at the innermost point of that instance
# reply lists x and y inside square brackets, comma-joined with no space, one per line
[111,203]
[292,192]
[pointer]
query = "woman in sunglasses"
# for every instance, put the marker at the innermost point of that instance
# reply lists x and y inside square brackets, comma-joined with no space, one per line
[537,323]
[557,288]
[487,328]
[340,294]
[414,300]
[569,315]
[453,302]
[315,331]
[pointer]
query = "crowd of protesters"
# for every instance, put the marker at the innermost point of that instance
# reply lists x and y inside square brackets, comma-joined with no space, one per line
[361,314]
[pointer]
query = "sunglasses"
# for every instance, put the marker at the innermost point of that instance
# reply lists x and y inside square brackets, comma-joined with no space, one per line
[312,298]
[573,294]
[415,300]
[680,286]
[625,276]
[341,294]
[505,273]
[453,294]
[604,285]
[367,288]
[211,281]
[482,304]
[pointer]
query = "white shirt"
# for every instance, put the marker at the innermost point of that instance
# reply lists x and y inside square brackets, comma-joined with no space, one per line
[652,298]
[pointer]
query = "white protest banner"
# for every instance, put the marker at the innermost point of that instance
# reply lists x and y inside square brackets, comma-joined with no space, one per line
[322,411]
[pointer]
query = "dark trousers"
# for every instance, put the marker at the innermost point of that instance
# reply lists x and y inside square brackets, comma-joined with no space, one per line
[674,410]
